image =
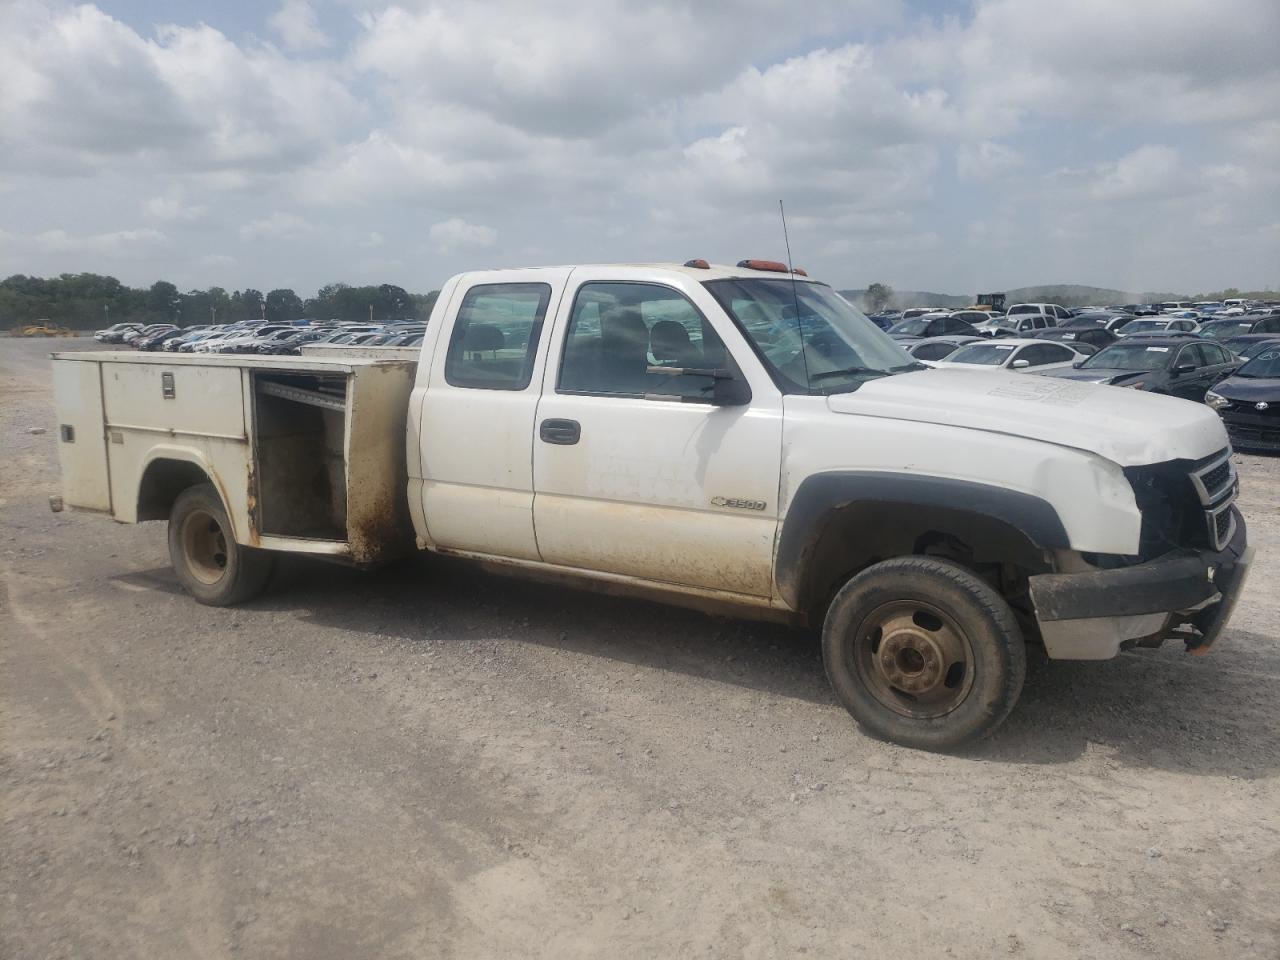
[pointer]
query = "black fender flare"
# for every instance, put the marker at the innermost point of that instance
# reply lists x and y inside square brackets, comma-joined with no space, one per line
[820,497]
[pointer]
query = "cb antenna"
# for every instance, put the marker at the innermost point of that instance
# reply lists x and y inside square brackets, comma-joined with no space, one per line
[795,295]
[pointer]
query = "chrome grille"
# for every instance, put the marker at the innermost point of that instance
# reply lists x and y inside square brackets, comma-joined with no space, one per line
[1214,479]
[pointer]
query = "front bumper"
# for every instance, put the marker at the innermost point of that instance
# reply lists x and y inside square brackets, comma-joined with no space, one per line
[1186,594]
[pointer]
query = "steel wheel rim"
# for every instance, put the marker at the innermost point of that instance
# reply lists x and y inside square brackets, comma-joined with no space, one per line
[913,658]
[205,546]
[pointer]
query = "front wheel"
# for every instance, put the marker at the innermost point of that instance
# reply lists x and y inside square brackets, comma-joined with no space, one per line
[923,652]
[209,563]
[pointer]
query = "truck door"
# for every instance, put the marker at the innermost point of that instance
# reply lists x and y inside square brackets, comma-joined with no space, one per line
[639,473]
[477,414]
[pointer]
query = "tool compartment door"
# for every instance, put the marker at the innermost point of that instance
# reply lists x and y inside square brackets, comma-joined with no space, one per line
[82,452]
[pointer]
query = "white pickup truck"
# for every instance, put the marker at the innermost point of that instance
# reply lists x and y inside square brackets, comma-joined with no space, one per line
[730,436]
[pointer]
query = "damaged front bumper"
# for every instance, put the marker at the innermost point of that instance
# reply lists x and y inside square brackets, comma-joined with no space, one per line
[1187,595]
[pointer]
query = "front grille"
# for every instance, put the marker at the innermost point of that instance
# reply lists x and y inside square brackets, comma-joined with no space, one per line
[1185,503]
[1214,480]
[1214,477]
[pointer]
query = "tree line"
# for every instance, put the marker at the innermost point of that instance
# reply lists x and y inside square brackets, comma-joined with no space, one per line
[88,301]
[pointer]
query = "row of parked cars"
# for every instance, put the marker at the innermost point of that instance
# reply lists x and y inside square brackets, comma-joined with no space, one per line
[1231,362]
[260,337]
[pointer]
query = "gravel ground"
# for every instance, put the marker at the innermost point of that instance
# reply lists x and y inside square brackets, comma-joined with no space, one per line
[432,761]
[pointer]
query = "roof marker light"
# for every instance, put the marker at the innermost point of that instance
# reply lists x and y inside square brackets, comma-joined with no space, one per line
[772,266]
[698,264]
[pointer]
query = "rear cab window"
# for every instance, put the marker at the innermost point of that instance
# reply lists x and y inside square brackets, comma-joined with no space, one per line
[495,336]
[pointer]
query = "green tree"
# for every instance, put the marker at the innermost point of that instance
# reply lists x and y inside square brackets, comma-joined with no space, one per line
[283,306]
[878,296]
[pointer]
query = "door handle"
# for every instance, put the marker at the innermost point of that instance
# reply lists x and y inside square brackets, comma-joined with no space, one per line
[563,432]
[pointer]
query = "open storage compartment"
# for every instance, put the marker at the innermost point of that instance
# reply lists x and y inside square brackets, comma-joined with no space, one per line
[301,427]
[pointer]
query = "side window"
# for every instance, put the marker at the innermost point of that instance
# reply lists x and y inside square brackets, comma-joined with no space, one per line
[956,325]
[933,351]
[1038,354]
[1215,353]
[621,334]
[1192,354]
[495,336]
[1268,325]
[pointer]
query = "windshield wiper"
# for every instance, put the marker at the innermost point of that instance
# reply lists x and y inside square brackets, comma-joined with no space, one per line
[848,372]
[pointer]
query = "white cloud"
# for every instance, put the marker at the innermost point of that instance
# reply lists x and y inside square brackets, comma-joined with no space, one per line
[560,130]
[986,160]
[278,226]
[171,209]
[454,234]
[296,24]
[82,88]
[119,243]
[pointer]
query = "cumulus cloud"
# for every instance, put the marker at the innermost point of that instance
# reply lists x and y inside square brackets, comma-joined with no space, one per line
[296,24]
[455,234]
[278,226]
[119,243]
[615,130]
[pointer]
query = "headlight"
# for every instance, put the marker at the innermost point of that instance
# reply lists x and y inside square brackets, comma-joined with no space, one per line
[1216,400]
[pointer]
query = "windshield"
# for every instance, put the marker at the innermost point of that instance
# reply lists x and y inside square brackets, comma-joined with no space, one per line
[1134,326]
[987,354]
[1251,350]
[825,347]
[914,327]
[1265,365]
[1220,330]
[1129,356]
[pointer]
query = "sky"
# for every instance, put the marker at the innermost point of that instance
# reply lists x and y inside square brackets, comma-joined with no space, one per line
[952,147]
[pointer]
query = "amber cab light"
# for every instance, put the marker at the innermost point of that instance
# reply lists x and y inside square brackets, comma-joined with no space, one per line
[773,266]
[698,264]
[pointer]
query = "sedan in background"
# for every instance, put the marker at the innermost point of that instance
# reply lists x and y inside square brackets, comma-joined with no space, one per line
[1095,338]
[1176,366]
[1020,356]
[1249,402]
[930,325]
[1158,326]
[934,349]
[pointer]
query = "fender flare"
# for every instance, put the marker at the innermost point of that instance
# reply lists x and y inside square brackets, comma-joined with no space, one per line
[194,457]
[821,496]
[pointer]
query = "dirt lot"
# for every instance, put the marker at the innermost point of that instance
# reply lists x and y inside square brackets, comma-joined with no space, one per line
[435,762]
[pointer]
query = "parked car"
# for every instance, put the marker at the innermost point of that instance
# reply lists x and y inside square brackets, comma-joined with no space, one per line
[1250,345]
[938,348]
[1159,325]
[292,345]
[974,316]
[115,333]
[1249,402]
[1018,355]
[1177,366]
[930,325]
[1017,326]
[1095,338]
[131,337]
[1055,313]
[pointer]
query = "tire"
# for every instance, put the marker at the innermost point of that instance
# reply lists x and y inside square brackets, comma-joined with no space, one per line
[209,563]
[924,653]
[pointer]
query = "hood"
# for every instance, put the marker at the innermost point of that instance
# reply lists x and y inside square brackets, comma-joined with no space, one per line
[1104,374]
[1250,389]
[1127,427]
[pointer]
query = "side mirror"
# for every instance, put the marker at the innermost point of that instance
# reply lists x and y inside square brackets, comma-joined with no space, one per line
[1019,364]
[1078,364]
[731,393]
